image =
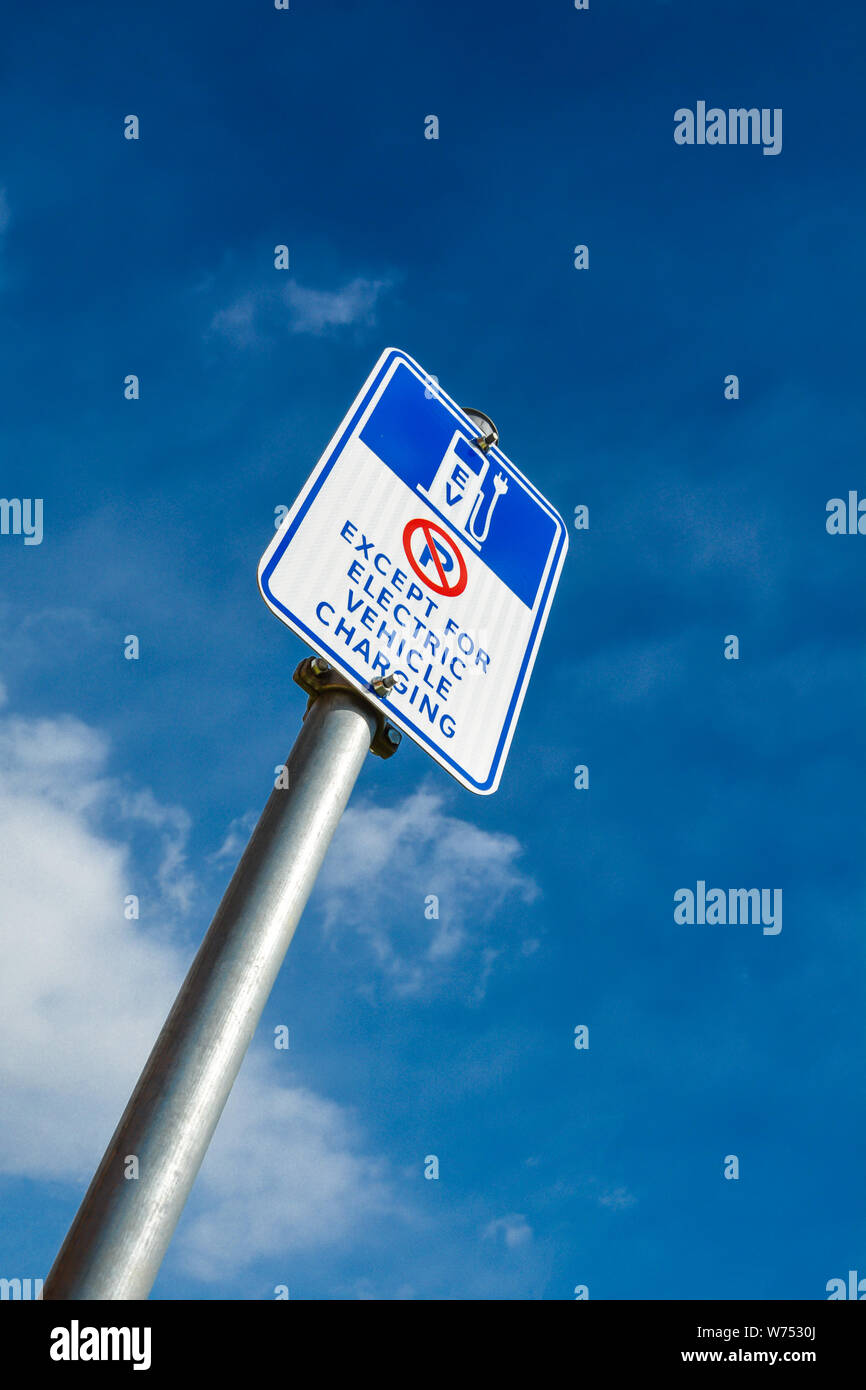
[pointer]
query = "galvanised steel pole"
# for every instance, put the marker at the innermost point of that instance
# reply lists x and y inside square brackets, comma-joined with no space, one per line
[120,1234]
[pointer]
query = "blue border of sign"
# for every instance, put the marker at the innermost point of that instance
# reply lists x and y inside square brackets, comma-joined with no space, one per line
[556,555]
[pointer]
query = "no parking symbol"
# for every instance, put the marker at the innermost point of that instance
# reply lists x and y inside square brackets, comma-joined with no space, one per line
[434,557]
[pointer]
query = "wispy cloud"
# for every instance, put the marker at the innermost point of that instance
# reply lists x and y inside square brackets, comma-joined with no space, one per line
[235,841]
[237,323]
[314,311]
[173,824]
[286,1173]
[259,315]
[423,889]
[618,1199]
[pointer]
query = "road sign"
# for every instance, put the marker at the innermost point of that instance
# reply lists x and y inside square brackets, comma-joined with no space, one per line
[413,553]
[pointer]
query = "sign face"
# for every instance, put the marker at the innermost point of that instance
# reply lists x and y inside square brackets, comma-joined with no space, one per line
[412,553]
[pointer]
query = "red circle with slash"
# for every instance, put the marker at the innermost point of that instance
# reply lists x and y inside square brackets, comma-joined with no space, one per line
[427,529]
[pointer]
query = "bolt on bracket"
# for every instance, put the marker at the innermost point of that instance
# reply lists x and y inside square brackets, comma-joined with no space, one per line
[315,676]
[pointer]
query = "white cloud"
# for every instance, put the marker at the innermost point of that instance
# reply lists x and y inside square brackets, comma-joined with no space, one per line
[617,1198]
[258,316]
[514,1229]
[287,1175]
[313,311]
[83,993]
[175,880]
[237,322]
[386,862]
[236,840]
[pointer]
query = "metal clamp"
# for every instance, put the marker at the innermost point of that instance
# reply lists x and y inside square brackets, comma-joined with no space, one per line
[315,676]
[489,433]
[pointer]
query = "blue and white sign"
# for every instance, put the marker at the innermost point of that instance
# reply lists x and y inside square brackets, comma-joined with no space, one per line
[412,553]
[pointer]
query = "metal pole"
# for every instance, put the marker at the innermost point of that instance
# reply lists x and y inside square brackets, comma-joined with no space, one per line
[120,1234]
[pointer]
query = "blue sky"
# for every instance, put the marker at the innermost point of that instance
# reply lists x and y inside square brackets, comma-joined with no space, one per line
[558,1167]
